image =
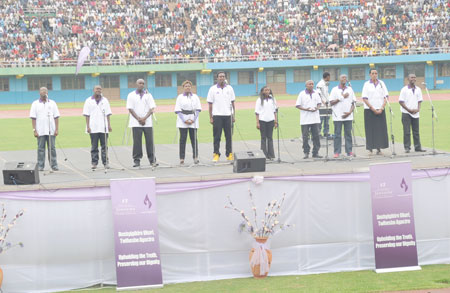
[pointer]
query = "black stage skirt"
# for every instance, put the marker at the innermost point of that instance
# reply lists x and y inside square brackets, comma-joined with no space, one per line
[376,130]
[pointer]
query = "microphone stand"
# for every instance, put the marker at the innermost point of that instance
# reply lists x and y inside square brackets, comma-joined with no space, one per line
[278,131]
[392,132]
[49,140]
[232,129]
[106,140]
[195,150]
[433,117]
[328,134]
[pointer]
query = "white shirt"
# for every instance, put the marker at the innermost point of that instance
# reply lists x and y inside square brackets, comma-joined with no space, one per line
[141,105]
[374,93]
[97,113]
[221,99]
[45,115]
[266,112]
[322,88]
[188,103]
[344,105]
[411,99]
[307,100]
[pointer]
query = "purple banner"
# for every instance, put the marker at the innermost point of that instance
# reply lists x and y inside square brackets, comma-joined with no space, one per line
[138,262]
[393,217]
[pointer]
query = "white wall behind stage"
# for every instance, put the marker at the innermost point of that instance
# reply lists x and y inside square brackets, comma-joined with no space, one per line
[69,243]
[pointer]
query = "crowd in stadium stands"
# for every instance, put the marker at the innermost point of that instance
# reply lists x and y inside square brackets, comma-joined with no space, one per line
[120,31]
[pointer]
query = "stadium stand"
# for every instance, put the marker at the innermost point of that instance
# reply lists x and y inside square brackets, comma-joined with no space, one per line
[52,32]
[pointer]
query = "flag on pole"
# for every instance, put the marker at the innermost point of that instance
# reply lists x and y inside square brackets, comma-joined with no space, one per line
[84,53]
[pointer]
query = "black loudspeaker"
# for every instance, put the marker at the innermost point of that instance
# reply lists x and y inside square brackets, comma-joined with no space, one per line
[250,161]
[16,173]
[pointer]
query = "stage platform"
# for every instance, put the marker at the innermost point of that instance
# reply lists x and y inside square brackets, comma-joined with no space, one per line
[67,228]
[75,171]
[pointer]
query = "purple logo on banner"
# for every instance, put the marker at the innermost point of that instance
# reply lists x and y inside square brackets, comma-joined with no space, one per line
[138,263]
[393,217]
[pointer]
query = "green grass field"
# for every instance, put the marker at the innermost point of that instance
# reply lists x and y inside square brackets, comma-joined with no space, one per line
[435,276]
[17,132]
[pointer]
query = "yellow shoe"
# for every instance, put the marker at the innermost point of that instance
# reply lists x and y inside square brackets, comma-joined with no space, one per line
[230,157]
[216,158]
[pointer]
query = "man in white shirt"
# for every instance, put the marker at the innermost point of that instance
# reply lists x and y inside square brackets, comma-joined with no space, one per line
[44,116]
[141,105]
[322,90]
[308,102]
[410,100]
[342,100]
[221,114]
[97,112]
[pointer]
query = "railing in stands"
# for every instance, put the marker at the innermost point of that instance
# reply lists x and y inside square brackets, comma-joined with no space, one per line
[170,59]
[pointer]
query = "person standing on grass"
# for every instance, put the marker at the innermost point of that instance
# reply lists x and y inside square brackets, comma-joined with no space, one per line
[188,108]
[141,105]
[308,102]
[342,100]
[375,95]
[221,114]
[322,89]
[97,112]
[266,120]
[44,116]
[410,100]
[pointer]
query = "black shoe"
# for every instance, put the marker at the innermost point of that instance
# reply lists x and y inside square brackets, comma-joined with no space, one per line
[421,150]
[306,156]
[407,151]
[55,169]
[317,156]
[137,164]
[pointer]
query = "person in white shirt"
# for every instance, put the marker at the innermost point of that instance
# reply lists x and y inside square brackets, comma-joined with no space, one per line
[188,108]
[141,105]
[221,114]
[322,89]
[308,102]
[97,112]
[375,95]
[342,100]
[44,116]
[266,120]
[410,100]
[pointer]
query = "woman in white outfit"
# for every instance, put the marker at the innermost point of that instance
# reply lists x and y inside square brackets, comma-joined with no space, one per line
[188,108]
[266,120]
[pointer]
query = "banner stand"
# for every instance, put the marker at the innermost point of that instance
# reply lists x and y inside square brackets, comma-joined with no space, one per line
[136,237]
[394,236]
[401,269]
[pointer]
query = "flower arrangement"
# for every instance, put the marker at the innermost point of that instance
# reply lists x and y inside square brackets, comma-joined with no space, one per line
[269,224]
[5,228]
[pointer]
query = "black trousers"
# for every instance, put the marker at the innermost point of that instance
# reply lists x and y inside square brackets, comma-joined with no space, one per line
[314,130]
[183,139]
[266,129]
[222,123]
[137,143]
[95,138]
[408,123]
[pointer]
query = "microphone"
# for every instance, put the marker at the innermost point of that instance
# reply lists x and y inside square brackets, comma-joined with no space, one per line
[349,84]
[271,96]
